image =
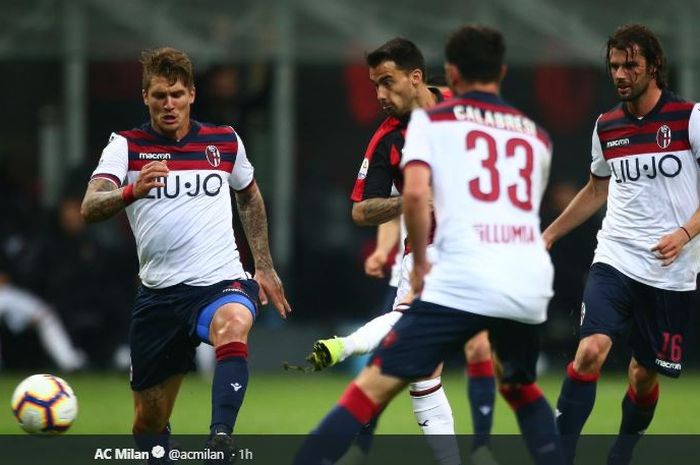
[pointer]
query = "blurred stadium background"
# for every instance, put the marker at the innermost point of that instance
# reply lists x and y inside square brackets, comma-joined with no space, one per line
[289,75]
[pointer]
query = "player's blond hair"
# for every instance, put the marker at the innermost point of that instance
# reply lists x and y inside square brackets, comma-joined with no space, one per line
[167,62]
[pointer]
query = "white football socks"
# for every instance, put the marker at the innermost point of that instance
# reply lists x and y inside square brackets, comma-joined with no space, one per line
[434,416]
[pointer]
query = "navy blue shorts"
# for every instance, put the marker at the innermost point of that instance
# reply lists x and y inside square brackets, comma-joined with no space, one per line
[613,303]
[388,300]
[168,324]
[428,333]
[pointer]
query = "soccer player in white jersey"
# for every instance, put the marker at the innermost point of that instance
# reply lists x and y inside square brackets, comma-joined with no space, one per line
[644,164]
[485,164]
[173,176]
[397,70]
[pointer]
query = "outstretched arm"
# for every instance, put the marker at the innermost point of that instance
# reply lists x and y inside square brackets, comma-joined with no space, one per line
[251,209]
[103,199]
[588,201]
[373,212]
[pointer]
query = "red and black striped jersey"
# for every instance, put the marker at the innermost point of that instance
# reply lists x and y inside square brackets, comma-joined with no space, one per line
[380,165]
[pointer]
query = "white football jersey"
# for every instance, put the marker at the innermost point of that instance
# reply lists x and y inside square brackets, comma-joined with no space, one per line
[654,184]
[183,231]
[489,165]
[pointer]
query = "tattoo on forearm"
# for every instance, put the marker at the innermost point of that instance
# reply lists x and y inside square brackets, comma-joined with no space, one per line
[102,200]
[251,210]
[378,211]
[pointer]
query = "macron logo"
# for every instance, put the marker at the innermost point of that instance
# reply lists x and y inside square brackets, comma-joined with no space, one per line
[617,143]
[668,365]
[154,156]
[236,386]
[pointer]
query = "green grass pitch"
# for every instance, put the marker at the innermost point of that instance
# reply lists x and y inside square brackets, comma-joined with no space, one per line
[293,403]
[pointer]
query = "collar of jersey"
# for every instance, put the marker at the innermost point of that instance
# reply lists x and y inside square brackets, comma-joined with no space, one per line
[194,130]
[483,96]
[439,97]
[639,121]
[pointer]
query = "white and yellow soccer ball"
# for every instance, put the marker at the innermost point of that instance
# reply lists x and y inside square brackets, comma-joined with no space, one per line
[44,404]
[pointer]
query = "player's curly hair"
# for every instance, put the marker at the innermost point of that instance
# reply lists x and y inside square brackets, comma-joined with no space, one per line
[403,52]
[477,51]
[629,35]
[170,63]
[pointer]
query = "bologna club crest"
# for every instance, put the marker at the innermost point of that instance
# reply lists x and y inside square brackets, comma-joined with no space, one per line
[214,157]
[663,136]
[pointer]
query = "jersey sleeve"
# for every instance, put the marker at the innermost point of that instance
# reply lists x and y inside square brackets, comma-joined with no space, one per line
[376,176]
[694,130]
[242,173]
[599,167]
[114,161]
[417,147]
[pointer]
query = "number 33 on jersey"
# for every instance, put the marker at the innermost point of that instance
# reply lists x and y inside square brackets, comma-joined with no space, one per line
[498,159]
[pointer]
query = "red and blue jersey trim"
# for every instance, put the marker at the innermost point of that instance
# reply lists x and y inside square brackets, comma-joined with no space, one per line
[186,154]
[622,134]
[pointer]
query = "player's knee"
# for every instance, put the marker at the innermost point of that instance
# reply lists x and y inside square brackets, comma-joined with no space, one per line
[591,354]
[520,395]
[151,420]
[231,323]
[379,388]
[641,378]
[478,348]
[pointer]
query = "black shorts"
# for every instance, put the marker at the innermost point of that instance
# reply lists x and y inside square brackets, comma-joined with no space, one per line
[613,302]
[428,333]
[167,326]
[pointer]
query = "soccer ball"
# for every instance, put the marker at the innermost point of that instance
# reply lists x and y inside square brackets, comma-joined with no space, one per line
[44,404]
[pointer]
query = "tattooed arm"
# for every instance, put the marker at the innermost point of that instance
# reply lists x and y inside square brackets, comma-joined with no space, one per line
[376,211]
[103,199]
[251,209]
